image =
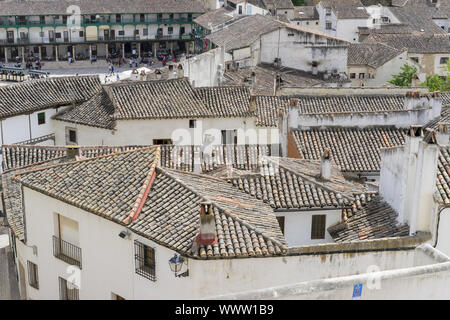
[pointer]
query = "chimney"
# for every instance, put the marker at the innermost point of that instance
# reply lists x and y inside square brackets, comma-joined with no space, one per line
[436,106]
[252,107]
[408,178]
[293,102]
[325,164]
[442,134]
[207,230]
[425,184]
[180,71]
[413,101]
[415,82]
[72,152]
[229,170]
[197,162]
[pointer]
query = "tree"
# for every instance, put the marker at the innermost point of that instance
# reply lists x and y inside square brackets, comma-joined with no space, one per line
[438,83]
[404,78]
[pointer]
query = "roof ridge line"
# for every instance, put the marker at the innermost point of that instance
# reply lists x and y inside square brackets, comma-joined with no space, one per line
[16,177]
[229,214]
[308,179]
[145,189]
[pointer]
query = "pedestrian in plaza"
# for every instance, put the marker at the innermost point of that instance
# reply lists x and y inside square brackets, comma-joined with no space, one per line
[117,75]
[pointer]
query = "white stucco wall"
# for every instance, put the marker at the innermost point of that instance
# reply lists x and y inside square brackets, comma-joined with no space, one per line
[382,74]
[443,243]
[206,69]
[297,226]
[108,261]
[142,132]
[296,54]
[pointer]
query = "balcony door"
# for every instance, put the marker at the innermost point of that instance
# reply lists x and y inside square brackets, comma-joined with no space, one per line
[113,34]
[10,37]
[106,34]
[66,36]
[51,36]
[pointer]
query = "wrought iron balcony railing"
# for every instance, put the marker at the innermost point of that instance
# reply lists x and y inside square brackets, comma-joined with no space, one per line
[66,252]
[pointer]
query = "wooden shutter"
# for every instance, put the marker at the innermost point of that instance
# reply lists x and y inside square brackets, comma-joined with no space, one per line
[318,226]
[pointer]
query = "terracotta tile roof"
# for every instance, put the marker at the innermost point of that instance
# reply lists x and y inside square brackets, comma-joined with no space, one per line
[19,156]
[350,103]
[156,100]
[373,55]
[414,43]
[96,112]
[114,185]
[286,183]
[443,177]
[374,220]
[46,93]
[164,99]
[242,157]
[59,7]
[226,101]
[352,149]
[268,110]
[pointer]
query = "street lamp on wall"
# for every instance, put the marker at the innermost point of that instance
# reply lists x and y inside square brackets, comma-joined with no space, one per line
[176,264]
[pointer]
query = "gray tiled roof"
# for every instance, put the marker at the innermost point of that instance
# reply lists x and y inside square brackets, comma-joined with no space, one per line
[374,220]
[372,55]
[305,13]
[286,183]
[96,112]
[421,18]
[46,93]
[243,228]
[265,75]
[346,9]
[352,149]
[420,3]
[279,4]
[48,7]
[393,28]
[350,103]
[243,32]
[413,43]
[214,18]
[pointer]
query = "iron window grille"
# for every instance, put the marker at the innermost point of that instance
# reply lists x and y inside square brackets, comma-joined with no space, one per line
[68,291]
[66,252]
[33,279]
[145,260]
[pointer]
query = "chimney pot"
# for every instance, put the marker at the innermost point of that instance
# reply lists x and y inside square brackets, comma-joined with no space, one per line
[252,103]
[72,151]
[293,102]
[325,165]
[207,232]
[415,131]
